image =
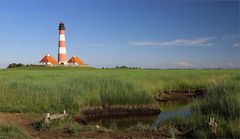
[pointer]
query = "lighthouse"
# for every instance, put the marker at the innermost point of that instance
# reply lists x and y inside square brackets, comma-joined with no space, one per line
[48,60]
[62,53]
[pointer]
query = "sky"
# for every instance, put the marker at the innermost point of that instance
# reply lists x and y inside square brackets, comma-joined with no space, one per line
[147,34]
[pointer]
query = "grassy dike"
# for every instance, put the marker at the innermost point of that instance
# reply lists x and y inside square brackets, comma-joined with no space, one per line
[40,90]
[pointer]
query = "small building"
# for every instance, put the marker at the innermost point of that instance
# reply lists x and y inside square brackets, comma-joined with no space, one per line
[75,61]
[48,60]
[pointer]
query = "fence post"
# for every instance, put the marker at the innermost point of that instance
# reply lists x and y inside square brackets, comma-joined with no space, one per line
[46,117]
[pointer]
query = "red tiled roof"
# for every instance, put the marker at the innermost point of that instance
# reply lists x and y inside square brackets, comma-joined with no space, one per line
[48,58]
[75,59]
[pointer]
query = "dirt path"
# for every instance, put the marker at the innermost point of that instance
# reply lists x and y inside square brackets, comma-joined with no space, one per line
[20,120]
[23,121]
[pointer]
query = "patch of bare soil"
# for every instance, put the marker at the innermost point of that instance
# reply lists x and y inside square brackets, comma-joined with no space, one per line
[167,95]
[23,121]
[20,120]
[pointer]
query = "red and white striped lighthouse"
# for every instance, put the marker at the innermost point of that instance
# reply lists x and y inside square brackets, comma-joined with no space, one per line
[62,54]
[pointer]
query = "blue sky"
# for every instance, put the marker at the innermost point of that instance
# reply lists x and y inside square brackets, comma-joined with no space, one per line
[149,34]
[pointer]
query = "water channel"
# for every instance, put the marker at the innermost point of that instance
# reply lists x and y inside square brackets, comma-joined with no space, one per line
[168,109]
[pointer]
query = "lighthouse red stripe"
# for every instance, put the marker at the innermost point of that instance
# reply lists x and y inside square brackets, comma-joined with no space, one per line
[62,44]
[62,57]
[61,31]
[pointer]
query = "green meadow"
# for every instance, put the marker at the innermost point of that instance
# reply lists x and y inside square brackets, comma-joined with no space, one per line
[51,89]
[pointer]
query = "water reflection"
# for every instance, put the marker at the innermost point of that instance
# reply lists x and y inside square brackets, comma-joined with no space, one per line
[168,109]
[123,122]
[185,112]
[180,108]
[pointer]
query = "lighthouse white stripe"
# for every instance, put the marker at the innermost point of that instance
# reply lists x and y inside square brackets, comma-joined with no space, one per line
[62,50]
[62,37]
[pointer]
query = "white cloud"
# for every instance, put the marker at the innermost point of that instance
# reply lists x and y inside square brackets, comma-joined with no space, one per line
[180,65]
[236,45]
[177,42]
[185,64]
[230,64]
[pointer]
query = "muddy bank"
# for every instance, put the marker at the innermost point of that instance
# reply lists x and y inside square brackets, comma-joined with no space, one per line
[23,122]
[119,111]
[169,95]
[122,122]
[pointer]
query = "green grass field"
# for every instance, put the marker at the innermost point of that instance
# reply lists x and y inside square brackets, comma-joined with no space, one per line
[41,89]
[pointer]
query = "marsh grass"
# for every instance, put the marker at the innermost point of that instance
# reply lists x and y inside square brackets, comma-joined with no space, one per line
[221,102]
[46,89]
[12,132]
[67,125]
[140,127]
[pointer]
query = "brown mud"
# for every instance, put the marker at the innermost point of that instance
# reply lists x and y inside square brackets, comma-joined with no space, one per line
[171,95]
[23,121]
[120,111]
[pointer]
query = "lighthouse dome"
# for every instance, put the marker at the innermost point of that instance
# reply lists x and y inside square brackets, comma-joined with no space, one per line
[61,26]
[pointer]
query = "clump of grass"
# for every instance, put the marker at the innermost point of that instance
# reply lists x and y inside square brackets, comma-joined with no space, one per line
[140,127]
[221,102]
[114,92]
[67,125]
[10,131]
